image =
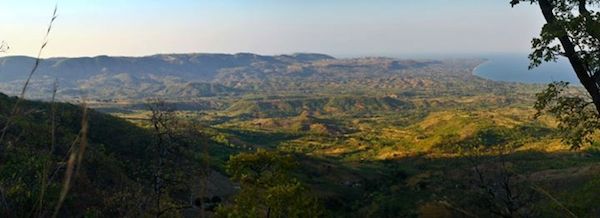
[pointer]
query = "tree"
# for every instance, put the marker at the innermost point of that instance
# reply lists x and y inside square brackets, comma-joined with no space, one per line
[175,165]
[267,188]
[498,190]
[572,30]
[577,119]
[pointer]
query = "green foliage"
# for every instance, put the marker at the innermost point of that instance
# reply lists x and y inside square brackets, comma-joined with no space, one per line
[32,174]
[268,188]
[116,170]
[20,176]
[577,117]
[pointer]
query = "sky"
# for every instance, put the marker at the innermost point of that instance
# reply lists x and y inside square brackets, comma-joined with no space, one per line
[337,27]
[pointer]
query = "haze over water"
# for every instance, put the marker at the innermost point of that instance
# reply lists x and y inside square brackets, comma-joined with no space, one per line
[514,68]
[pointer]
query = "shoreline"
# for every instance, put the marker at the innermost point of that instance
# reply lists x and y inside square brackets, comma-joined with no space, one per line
[474,71]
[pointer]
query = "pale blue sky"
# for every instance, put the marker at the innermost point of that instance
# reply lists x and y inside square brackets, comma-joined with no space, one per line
[338,27]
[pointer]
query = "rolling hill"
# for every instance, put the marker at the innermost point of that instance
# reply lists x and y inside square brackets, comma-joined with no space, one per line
[209,75]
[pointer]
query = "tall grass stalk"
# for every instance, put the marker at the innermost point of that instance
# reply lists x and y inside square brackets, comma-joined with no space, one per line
[74,162]
[46,168]
[38,60]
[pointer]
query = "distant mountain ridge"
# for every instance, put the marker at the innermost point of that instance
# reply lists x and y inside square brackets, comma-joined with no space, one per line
[206,75]
[183,65]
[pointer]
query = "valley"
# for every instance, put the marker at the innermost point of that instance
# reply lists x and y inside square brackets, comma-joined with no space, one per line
[374,137]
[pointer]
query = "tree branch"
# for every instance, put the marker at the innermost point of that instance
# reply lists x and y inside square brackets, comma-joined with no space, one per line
[578,65]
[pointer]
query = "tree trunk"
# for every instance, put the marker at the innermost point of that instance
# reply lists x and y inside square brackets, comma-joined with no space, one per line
[578,65]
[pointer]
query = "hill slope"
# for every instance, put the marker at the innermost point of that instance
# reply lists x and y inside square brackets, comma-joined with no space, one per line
[117,169]
[208,75]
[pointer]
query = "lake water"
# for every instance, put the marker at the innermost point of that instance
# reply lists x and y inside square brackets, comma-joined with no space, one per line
[513,68]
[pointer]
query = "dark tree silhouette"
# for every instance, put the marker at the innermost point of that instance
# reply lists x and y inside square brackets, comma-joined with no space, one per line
[572,30]
[173,167]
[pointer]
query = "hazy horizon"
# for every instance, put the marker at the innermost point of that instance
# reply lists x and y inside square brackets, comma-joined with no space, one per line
[338,28]
[338,56]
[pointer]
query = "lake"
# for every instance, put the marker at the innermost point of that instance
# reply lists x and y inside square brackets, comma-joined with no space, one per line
[513,68]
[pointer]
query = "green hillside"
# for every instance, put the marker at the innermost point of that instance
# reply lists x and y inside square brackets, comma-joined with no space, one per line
[116,170]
